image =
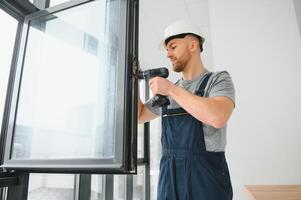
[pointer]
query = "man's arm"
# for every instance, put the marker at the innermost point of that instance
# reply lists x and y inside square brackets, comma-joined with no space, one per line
[144,114]
[214,111]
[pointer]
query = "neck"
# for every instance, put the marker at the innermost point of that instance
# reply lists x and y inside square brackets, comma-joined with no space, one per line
[193,68]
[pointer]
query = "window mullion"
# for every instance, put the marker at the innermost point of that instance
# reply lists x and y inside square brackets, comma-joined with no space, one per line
[84,187]
[109,187]
[20,191]
[129,187]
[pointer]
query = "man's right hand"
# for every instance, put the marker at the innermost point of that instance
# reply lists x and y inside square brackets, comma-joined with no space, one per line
[144,114]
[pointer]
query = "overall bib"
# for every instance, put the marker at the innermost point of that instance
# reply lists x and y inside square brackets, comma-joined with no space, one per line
[187,170]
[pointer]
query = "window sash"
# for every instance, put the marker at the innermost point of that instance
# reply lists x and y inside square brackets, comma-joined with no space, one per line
[129,141]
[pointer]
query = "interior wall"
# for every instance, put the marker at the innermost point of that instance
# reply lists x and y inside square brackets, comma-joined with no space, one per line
[258,42]
[155,16]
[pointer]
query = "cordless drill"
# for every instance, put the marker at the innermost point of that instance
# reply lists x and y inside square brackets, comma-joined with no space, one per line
[159,100]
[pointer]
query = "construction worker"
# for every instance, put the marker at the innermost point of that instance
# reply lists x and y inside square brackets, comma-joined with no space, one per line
[193,164]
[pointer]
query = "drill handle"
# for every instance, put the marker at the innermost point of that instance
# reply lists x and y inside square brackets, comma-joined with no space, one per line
[160,101]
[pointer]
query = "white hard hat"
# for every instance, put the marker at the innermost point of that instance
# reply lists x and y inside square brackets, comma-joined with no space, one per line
[180,29]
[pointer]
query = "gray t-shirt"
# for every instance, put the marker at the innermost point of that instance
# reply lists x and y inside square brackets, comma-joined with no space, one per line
[219,84]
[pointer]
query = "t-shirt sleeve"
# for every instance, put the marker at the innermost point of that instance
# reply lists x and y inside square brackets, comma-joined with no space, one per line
[222,85]
[148,104]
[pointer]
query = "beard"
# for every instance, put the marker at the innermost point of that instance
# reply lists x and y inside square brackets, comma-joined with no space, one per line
[180,64]
[178,67]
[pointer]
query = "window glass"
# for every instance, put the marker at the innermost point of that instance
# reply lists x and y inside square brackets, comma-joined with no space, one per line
[119,187]
[155,155]
[68,101]
[7,41]
[51,187]
[139,184]
[53,2]
[56,2]
[140,141]
[140,134]
[97,187]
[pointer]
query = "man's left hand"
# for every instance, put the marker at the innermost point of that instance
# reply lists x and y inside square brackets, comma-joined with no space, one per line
[159,85]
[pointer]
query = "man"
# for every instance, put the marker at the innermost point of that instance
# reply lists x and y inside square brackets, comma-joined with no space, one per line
[193,164]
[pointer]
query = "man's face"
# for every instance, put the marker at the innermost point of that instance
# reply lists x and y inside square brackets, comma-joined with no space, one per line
[178,53]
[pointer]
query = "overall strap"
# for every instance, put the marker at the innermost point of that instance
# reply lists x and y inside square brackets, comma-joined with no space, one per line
[201,89]
[163,111]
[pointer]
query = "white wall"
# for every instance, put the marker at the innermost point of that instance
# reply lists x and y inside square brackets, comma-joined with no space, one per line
[155,16]
[258,42]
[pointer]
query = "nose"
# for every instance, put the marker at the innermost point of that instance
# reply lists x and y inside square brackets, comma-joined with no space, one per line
[168,55]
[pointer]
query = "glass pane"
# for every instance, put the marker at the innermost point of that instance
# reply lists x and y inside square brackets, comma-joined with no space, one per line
[138,184]
[52,2]
[7,41]
[140,141]
[68,99]
[119,187]
[155,155]
[56,2]
[97,187]
[51,187]
[140,134]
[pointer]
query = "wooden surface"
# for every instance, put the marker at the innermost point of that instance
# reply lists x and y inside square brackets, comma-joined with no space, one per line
[274,192]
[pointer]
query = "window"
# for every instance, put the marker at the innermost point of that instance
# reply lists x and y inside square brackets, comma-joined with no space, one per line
[69,87]
[98,185]
[56,2]
[72,101]
[7,41]
[51,186]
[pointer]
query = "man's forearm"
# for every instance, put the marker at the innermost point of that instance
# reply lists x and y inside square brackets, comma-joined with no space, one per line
[139,106]
[207,110]
[144,114]
[139,103]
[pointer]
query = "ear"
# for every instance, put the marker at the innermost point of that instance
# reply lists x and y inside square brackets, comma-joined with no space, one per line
[193,45]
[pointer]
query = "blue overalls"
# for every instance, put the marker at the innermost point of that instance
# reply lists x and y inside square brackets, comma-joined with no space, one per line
[187,170]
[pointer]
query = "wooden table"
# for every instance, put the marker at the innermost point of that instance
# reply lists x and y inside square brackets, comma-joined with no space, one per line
[274,192]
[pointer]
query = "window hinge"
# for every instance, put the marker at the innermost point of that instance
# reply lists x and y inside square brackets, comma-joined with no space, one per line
[135,67]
